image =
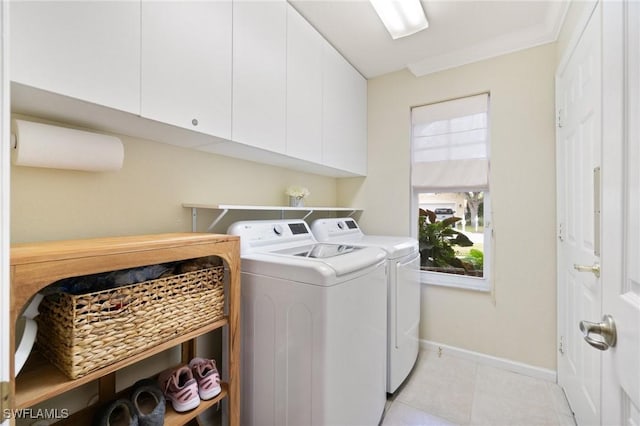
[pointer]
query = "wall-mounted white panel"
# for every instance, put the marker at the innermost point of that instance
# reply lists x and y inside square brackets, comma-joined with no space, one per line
[186,64]
[304,88]
[344,114]
[83,49]
[259,73]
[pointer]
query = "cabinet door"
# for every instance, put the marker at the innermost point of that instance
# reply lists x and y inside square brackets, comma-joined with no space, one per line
[304,88]
[259,70]
[84,49]
[344,113]
[186,64]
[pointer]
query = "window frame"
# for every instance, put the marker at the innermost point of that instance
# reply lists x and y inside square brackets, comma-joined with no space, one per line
[484,284]
[443,279]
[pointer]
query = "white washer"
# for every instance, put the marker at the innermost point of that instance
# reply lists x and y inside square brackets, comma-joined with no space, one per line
[313,328]
[403,280]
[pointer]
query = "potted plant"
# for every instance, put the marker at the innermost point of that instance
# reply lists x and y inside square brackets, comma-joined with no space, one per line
[296,195]
[437,240]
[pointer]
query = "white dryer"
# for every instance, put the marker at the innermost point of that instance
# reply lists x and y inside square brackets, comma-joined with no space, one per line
[403,281]
[313,328]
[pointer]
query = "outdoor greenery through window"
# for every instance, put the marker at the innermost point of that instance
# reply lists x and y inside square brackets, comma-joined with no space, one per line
[450,187]
[451,232]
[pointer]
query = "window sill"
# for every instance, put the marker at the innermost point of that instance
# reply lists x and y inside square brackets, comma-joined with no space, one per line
[455,281]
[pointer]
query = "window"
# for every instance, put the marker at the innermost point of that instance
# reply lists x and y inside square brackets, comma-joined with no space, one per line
[450,187]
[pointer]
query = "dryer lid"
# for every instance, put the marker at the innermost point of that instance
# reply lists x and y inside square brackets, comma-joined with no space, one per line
[346,231]
[395,247]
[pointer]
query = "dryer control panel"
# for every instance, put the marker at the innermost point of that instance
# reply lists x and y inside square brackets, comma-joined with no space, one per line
[328,229]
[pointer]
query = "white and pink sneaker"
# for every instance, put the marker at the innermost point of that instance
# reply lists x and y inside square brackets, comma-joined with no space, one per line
[207,376]
[180,387]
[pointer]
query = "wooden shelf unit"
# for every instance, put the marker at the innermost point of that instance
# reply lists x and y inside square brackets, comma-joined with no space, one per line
[36,265]
[171,418]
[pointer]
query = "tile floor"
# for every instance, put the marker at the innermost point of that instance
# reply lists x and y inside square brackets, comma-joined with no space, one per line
[447,390]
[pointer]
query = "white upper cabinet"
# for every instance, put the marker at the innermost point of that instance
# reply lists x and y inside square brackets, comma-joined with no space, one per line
[186,64]
[344,114]
[252,78]
[259,73]
[83,49]
[304,88]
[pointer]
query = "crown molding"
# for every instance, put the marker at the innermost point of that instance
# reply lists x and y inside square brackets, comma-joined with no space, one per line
[544,33]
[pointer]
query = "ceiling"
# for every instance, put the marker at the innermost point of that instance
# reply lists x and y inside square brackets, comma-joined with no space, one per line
[460,32]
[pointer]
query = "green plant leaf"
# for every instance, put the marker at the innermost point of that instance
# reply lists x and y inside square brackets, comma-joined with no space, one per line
[451,220]
[428,213]
[462,240]
[437,239]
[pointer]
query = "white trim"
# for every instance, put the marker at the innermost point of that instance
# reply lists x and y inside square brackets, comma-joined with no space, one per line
[620,87]
[441,279]
[516,41]
[581,25]
[554,25]
[5,169]
[484,359]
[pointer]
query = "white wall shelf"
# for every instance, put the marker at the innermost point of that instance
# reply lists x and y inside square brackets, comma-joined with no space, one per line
[223,209]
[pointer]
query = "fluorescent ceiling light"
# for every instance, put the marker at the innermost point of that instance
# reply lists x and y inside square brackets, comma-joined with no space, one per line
[401,17]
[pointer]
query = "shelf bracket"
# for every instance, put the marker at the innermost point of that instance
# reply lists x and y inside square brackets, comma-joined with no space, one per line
[107,387]
[194,219]
[217,219]
[307,215]
[352,213]
[5,389]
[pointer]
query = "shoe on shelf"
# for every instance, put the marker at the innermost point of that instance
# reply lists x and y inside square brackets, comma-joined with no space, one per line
[207,376]
[148,401]
[117,413]
[179,387]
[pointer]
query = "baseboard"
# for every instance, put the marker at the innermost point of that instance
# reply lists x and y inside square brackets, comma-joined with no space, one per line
[505,364]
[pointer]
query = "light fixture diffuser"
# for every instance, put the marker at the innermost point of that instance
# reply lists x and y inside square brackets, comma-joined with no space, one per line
[401,17]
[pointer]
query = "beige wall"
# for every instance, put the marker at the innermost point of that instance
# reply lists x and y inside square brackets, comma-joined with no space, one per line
[146,196]
[517,321]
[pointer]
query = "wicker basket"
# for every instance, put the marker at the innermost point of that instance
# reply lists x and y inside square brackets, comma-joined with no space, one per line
[82,333]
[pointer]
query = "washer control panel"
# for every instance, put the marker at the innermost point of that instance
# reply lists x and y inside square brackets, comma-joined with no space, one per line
[260,233]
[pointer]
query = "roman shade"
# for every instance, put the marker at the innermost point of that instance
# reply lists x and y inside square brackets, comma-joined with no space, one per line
[450,145]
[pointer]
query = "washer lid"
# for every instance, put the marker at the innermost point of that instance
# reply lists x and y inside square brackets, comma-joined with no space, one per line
[314,265]
[319,251]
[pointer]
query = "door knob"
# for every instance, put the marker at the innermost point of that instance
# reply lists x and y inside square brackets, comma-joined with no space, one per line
[605,329]
[595,269]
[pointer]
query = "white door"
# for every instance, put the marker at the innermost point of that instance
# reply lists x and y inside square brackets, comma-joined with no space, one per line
[578,139]
[621,211]
[4,203]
